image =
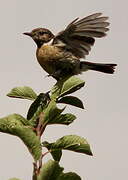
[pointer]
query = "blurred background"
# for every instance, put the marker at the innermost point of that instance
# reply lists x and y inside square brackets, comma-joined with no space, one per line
[104,122]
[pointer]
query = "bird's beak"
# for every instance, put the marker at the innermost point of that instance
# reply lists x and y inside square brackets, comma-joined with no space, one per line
[28,34]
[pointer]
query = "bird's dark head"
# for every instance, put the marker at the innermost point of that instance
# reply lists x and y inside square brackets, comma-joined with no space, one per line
[40,36]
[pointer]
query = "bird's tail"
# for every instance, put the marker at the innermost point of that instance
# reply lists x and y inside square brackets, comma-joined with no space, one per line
[101,67]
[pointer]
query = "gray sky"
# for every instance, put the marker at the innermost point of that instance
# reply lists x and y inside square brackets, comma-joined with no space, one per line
[104,122]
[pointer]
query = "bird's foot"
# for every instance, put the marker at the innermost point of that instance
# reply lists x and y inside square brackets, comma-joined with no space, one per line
[56,75]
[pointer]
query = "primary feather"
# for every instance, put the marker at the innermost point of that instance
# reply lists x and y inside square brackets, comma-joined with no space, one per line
[80,35]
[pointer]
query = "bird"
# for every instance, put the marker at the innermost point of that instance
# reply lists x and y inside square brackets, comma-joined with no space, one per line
[64,54]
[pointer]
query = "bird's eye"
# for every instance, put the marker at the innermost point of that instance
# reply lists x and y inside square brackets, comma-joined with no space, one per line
[41,33]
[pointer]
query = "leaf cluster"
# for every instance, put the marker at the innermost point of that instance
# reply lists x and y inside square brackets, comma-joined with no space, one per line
[43,112]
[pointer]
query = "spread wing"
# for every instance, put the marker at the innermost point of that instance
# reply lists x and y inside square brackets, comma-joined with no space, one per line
[79,35]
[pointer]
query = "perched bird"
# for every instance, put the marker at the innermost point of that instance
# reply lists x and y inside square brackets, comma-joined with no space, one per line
[62,56]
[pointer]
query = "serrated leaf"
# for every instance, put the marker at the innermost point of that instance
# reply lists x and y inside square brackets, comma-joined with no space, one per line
[16,125]
[66,86]
[69,176]
[50,171]
[41,101]
[71,142]
[51,113]
[23,93]
[71,100]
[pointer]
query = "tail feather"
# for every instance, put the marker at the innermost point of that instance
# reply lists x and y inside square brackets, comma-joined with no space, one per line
[101,67]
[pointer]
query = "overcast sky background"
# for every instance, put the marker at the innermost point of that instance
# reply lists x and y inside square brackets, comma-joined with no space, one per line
[104,122]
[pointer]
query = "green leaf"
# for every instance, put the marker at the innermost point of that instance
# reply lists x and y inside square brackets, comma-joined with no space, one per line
[56,154]
[50,171]
[74,101]
[70,142]
[69,176]
[65,119]
[14,120]
[71,85]
[23,93]
[66,86]
[41,101]
[17,125]
[31,141]
[51,113]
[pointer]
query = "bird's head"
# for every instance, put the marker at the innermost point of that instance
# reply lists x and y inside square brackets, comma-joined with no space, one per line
[40,36]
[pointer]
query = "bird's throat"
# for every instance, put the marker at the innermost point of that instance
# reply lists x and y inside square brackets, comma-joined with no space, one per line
[39,43]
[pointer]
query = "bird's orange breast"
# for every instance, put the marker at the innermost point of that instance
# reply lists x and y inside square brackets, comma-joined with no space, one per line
[47,55]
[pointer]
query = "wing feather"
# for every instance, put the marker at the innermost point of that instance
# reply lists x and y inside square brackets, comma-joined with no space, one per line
[90,17]
[95,25]
[79,35]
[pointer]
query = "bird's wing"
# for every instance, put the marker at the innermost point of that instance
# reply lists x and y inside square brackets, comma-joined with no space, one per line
[80,34]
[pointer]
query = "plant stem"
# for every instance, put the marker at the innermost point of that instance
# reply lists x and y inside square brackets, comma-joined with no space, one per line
[38,164]
[34,177]
[36,167]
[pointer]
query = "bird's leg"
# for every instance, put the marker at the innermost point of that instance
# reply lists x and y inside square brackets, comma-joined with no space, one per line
[56,74]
